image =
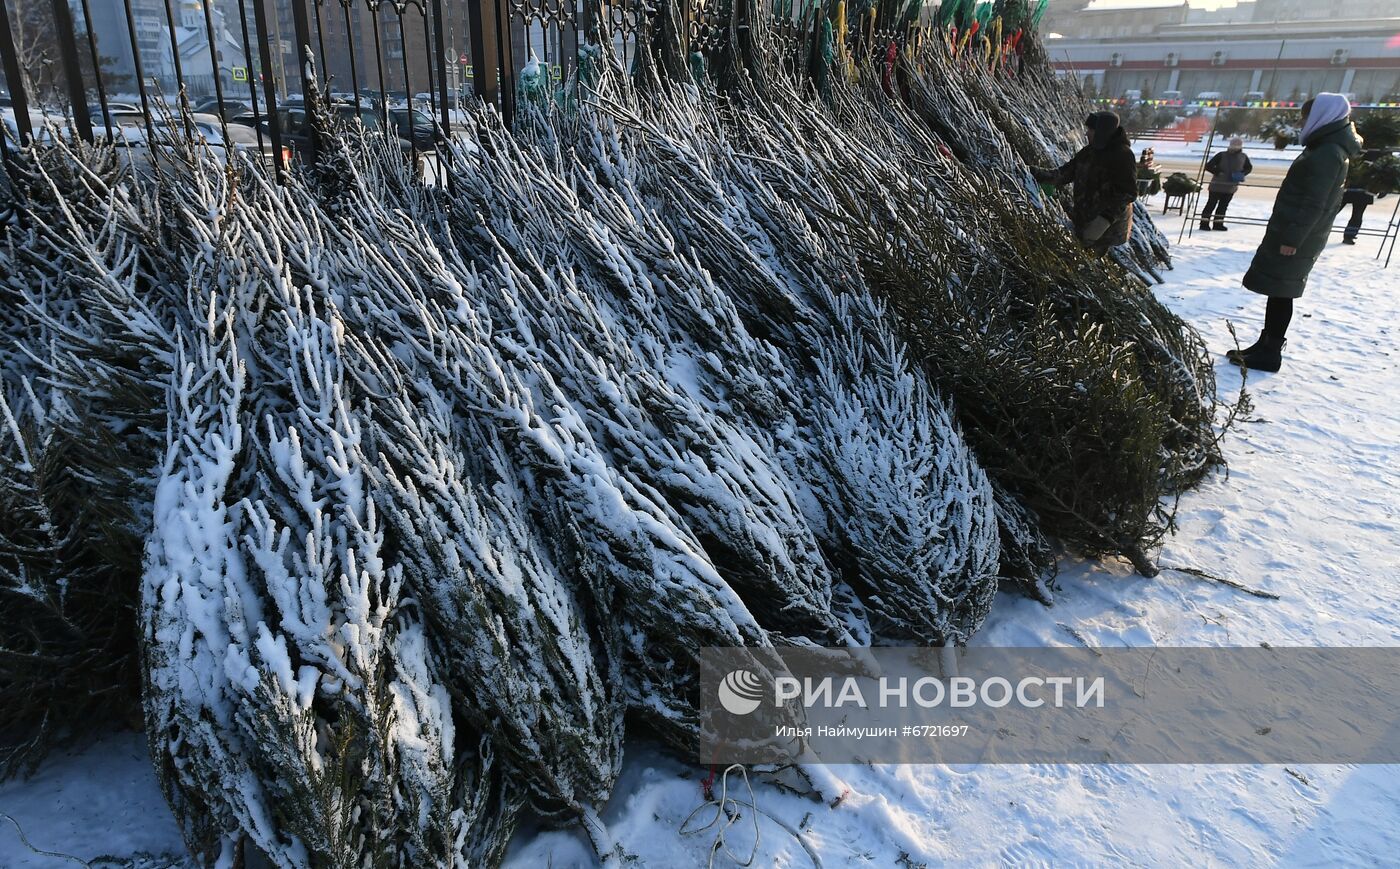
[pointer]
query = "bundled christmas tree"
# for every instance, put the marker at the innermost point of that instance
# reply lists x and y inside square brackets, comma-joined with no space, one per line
[417,496]
[836,364]
[84,338]
[970,265]
[293,700]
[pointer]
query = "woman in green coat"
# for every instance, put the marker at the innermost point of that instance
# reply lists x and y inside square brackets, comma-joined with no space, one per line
[1307,202]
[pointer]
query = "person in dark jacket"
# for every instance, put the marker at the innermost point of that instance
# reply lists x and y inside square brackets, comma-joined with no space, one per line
[1104,175]
[1149,174]
[1359,198]
[1308,200]
[1228,169]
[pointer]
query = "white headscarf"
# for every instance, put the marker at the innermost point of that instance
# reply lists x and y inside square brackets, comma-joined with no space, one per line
[1326,109]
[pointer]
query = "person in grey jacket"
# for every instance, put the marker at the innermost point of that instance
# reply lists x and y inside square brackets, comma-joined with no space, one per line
[1228,169]
[1307,202]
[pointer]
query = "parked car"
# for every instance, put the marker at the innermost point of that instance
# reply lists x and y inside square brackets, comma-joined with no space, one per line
[129,114]
[241,142]
[1171,96]
[117,119]
[113,108]
[296,135]
[416,127]
[231,107]
[1254,96]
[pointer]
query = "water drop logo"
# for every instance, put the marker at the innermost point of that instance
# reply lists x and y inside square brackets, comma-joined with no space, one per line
[740,692]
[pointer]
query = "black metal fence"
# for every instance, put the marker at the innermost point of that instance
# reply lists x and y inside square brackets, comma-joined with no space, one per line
[100,69]
[133,71]
[116,69]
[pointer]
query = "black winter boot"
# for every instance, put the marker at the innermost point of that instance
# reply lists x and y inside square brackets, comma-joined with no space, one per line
[1268,356]
[1237,355]
[1220,226]
[1205,226]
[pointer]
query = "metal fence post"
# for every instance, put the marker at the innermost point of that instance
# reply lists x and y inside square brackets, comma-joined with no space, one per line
[215,67]
[14,77]
[174,58]
[320,32]
[569,27]
[485,42]
[302,26]
[97,68]
[269,86]
[440,47]
[505,36]
[354,70]
[379,57]
[140,72]
[253,74]
[68,53]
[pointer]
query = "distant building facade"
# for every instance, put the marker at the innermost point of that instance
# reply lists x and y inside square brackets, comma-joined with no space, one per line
[114,37]
[199,61]
[395,63]
[1280,49]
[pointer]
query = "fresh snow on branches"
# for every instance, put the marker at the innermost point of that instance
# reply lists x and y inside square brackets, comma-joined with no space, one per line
[416,496]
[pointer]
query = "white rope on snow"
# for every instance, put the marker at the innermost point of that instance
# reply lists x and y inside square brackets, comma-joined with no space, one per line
[727,814]
[24,840]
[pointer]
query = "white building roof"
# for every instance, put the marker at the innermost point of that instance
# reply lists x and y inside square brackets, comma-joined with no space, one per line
[1120,5]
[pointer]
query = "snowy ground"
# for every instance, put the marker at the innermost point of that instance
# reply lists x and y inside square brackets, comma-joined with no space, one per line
[1309,511]
[1258,151]
[1270,165]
